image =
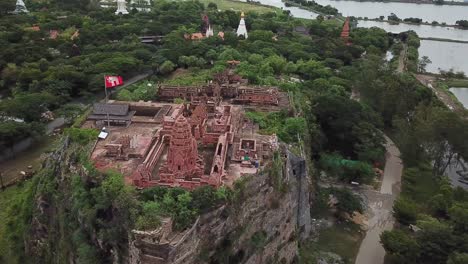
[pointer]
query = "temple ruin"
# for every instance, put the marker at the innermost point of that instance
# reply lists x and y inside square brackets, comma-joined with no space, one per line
[207,140]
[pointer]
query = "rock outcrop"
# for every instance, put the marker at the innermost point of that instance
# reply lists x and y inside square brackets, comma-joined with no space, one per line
[265,225]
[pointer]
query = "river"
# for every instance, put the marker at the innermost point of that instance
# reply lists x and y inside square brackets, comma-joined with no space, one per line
[428,12]
[295,11]
[461,94]
[445,55]
[423,31]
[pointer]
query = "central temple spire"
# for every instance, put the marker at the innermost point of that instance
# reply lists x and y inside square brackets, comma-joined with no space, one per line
[242,30]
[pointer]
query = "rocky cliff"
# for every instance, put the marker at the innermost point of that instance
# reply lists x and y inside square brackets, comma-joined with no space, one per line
[263,226]
[82,216]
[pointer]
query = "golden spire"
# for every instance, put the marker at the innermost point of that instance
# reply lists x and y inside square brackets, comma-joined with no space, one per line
[242,14]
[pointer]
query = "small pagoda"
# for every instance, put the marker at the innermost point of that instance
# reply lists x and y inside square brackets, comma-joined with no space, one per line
[20,7]
[242,30]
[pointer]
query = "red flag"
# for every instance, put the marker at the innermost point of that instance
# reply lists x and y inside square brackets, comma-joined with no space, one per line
[113,81]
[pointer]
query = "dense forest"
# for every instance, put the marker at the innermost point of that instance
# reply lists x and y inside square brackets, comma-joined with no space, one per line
[343,137]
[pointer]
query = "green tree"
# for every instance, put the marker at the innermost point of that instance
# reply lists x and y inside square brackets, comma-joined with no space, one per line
[347,201]
[458,258]
[400,246]
[28,106]
[405,211]
[436,241]
[167,67]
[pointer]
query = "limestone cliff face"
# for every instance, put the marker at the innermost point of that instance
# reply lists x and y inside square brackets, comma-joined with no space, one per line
[264,226]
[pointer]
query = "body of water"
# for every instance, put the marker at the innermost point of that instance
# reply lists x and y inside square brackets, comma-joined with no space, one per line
[455,172]
[427,12]
[423,31]
[295,11]
[461,94]
[445,55]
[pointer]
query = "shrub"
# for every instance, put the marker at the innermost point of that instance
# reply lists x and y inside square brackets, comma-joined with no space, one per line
[405,211]
[82,136]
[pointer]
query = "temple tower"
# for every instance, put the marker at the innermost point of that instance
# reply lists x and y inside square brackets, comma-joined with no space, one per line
[242,30]
[182,155]
[345,32]
[121,7]
[20,7]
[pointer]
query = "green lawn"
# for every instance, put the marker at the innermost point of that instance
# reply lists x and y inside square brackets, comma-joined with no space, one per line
[342,238]
[457,83]
[239,6]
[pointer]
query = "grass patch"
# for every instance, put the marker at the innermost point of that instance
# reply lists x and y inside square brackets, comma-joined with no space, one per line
[191,77]
[239,6]
[343,238]
[457,83]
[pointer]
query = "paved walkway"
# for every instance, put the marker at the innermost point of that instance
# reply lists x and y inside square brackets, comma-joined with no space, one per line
[380,208]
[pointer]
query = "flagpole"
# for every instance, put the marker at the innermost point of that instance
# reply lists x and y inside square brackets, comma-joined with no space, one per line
[105,89]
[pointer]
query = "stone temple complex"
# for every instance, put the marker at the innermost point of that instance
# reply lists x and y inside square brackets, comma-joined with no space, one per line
[206,141]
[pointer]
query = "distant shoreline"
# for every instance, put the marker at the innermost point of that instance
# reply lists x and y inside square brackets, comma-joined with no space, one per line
[412,2]
[445,40]
[409,23]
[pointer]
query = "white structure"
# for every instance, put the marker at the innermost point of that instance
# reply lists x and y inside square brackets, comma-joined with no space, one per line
[141,5]
[242,30]
[20,7]
[209,32]
[121,7]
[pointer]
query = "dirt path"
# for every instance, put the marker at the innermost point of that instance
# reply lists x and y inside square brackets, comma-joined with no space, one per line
[380,208]
[430,82]
[402,59]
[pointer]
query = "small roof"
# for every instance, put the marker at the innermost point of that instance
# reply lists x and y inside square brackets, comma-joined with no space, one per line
[112,109]
[103,135]
[197,35]
[221,34]
[53,34]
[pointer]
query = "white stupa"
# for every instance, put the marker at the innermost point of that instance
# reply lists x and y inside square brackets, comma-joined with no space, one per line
[121,7]
[20,7]
[209,32]
[242,30]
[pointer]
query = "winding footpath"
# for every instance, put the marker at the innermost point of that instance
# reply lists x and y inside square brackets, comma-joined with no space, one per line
[402,59]
[380,205]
